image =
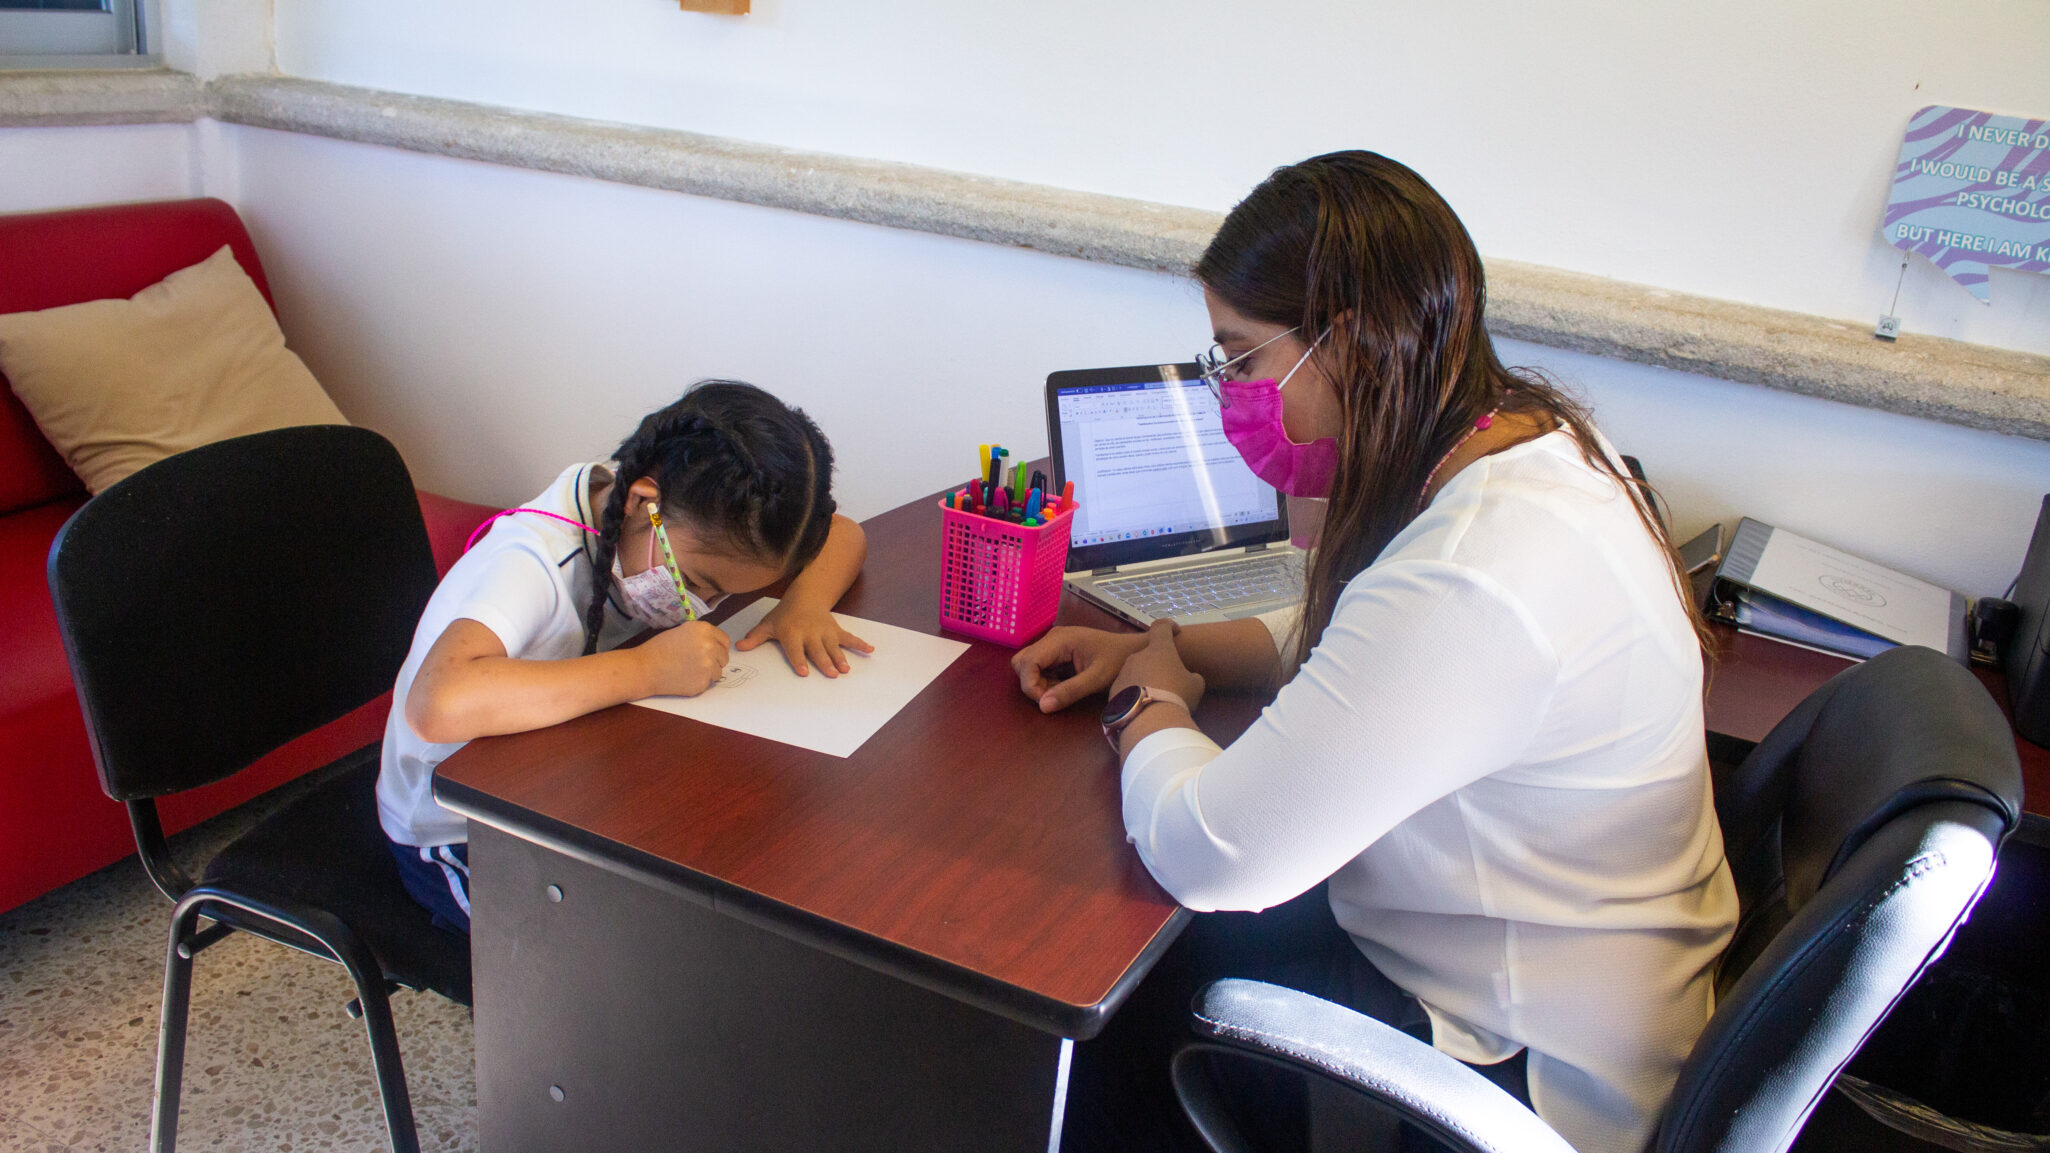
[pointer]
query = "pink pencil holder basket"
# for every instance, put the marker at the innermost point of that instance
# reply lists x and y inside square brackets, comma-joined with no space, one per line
[1001,581]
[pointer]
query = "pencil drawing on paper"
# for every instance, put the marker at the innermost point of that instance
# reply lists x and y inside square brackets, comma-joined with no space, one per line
[735,676]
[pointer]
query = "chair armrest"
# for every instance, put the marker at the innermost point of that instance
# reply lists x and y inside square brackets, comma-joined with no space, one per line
[1403,1075]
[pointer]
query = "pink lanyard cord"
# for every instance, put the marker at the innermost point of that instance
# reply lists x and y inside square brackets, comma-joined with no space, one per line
[1487,420]
[480,530]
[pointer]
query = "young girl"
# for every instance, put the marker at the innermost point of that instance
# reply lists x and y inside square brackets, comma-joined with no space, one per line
[727,490]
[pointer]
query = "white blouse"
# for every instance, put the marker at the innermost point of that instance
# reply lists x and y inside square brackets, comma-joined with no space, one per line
[1496,755]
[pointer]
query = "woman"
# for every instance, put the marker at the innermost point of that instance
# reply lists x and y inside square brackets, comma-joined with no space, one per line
[1489,733]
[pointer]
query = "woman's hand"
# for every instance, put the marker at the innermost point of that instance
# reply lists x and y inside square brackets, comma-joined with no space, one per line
[806,632]
[1159,666]
[684,661]
[1093,656]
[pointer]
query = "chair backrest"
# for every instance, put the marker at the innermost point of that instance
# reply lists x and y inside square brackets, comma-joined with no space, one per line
[51,259]
[1860,832]
[228,599]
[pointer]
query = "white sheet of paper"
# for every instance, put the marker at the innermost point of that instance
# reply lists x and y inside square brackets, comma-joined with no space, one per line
[834,715]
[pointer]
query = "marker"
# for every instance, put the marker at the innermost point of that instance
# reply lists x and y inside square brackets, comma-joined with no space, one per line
[1038,479]
[1068,495]
[1000,502]
[982,460]
[1034,503]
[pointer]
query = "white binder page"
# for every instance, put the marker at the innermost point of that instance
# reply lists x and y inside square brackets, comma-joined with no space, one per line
[1856,592]
[759,693]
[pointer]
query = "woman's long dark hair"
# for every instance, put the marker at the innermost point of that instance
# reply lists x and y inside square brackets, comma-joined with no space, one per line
[1357,246]
[746,473]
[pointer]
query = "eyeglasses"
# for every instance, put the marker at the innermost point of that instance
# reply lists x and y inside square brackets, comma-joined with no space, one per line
[1213,366]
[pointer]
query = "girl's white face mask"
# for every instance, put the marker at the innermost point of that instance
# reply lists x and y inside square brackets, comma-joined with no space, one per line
[655,596]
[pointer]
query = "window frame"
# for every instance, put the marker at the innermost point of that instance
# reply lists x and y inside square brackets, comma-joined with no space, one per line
[33,39]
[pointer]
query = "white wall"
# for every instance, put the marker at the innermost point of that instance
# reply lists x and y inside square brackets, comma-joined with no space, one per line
[1738,150]
[500,324]
[210,38]
[44,168]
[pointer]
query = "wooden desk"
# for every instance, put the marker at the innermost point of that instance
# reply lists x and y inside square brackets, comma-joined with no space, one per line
[690,931]
[1756,682]
[689,935]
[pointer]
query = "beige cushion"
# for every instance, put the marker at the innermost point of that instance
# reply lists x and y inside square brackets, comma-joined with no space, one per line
[197,357]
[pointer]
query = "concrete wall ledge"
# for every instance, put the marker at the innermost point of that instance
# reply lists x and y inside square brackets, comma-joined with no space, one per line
[1946,380]
[113,96]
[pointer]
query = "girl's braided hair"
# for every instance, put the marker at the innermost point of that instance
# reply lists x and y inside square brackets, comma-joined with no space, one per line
[746,473]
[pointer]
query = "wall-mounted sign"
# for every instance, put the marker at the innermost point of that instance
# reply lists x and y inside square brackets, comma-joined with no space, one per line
[1972,190]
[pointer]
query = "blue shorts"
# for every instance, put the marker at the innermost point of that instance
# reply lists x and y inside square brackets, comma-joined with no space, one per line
[439,878]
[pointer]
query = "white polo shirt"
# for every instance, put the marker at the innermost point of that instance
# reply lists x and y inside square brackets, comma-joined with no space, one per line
[1496,755]
[528,580]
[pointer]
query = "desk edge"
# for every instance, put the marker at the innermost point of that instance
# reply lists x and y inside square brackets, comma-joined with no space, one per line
[1061,1018]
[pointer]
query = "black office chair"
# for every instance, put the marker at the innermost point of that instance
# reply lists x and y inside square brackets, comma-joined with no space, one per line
[216,605]
[1860,833]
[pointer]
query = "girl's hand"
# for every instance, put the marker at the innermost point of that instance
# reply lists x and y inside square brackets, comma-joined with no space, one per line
[1093,656]
[1159,666]
[684,661]
[806,632]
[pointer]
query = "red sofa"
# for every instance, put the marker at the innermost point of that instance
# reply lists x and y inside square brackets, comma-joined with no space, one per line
[55,823]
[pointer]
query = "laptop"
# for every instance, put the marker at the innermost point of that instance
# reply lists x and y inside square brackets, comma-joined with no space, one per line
[1172,522]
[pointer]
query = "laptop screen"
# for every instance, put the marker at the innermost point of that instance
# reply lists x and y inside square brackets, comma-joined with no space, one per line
[1153,472]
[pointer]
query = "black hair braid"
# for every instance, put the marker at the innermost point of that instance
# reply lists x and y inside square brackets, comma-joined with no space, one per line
[743,470]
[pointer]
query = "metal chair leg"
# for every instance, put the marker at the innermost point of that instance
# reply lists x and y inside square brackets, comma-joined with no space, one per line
[163,1136]
[371,996]
[341,943]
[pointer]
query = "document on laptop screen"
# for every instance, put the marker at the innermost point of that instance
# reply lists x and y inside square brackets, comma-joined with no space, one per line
[1150,459]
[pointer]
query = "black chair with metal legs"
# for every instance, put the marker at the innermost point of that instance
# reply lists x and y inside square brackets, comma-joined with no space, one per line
[215,606]
[1860,832]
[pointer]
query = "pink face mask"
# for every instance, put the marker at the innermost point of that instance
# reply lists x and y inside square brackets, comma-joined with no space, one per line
[1252,423]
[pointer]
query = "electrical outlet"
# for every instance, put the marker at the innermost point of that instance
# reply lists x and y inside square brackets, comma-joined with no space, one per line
[1889,328]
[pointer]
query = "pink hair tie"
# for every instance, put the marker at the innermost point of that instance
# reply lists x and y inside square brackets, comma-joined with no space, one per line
[479,531]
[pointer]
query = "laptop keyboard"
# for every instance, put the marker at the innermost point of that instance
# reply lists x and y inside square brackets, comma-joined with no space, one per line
[1223,586]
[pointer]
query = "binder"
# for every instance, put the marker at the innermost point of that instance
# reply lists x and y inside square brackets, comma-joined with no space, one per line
[1782,585]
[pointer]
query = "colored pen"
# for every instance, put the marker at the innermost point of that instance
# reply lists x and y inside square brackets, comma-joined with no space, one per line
[982,460]
[1000,502]
[1068,494]
[1034,503]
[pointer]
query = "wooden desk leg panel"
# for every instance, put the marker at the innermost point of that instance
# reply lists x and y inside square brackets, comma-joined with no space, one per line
[666,1025]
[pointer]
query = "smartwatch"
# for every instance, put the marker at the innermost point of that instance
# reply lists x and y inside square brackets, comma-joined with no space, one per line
[1120,710]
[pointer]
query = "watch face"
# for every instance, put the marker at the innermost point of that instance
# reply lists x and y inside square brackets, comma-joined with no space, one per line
[1120,704]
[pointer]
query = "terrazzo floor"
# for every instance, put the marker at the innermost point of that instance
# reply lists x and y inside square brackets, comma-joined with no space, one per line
[272,1062]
